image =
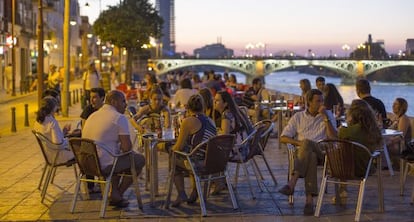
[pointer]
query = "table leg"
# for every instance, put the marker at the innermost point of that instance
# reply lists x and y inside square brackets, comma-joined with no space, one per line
[153,176]
[280,126]
[387,158]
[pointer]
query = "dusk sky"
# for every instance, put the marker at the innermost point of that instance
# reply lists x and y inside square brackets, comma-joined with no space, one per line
[296,25]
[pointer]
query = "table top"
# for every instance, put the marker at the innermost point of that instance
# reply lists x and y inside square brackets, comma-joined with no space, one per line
[278,108]
[154,136]
[391,132]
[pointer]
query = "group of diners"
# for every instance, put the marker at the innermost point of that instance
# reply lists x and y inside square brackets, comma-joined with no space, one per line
[365,118]
[210,110]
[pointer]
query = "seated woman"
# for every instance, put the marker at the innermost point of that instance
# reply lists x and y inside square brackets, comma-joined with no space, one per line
[362,128]
[231,121]
[155,106]
[195,129]
[333,98]
[400,122]
[47,125]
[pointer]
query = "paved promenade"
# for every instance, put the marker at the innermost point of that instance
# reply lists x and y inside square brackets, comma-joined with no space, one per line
[21,166]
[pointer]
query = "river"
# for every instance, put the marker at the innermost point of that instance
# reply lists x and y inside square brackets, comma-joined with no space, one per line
[288,81]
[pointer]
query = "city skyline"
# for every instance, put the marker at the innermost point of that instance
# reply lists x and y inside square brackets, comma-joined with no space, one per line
[299,26]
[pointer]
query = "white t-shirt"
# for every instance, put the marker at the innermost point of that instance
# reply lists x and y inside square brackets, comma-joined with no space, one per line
[104,127]
[51,130]
[182,95]
[91,79]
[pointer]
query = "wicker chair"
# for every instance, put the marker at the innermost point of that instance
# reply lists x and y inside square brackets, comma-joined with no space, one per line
[216,153]
[86,155]
[51,164]
[340,158]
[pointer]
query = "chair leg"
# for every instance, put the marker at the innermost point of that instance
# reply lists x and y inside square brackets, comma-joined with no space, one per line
[257,167]
[412,196]
[75,195]
[248,180]
[200,196]
[269,169]
[380,190]
[53,175]
[43,176]
[136,188]
[320,197]
[105,197]
[231,192]
[360,200]
[236,176]
[290,172]
[46,182]
[404,178]
[257,174]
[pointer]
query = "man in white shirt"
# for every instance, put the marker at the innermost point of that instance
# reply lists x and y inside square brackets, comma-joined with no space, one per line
[303,130]
[109,128]
[91,79]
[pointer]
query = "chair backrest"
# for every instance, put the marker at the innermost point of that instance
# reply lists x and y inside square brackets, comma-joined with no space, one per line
[340,155]
[45,143]
[218,153]
[151,121]
[86,156]
[264,137]
[255,143]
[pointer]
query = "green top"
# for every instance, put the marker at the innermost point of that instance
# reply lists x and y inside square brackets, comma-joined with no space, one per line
[356,134]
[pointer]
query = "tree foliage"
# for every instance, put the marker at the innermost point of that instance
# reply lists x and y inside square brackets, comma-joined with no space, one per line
[129,24]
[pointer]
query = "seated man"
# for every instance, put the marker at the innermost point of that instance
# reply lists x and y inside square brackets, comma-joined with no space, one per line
[303,130]
[256,94]
[109,126]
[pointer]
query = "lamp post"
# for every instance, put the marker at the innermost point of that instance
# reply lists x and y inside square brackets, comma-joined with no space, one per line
[39,53]
[345,48]
[66,54]
[13,49]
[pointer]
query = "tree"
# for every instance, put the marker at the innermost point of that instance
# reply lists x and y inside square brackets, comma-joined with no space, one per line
[129,25]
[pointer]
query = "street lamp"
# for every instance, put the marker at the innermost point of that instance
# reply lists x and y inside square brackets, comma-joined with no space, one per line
[346,47]
[13,50]
[40,52]
[248,47]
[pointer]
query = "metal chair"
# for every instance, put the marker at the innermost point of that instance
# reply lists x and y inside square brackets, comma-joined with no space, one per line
[340,158]
[264,137]
[49,170]
[86,155]
[246,151]
[216,153]
[406,164]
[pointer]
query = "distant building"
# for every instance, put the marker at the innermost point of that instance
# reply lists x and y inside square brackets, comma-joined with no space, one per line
[165,10]
[409,47]
[216,50]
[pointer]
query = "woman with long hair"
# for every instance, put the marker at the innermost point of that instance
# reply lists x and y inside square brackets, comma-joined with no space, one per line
[305,87]
[332,98]
[233,121]
[400,122]
[47,125]
[361,127]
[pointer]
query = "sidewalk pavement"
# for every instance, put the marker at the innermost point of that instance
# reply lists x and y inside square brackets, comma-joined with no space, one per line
[21,165]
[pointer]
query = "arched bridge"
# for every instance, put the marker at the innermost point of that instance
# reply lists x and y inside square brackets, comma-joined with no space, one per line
[262,67]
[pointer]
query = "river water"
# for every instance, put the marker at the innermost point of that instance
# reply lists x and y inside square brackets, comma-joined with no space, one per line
[288,81]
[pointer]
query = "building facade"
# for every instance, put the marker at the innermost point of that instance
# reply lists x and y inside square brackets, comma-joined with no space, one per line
[165,9]
[215,51]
